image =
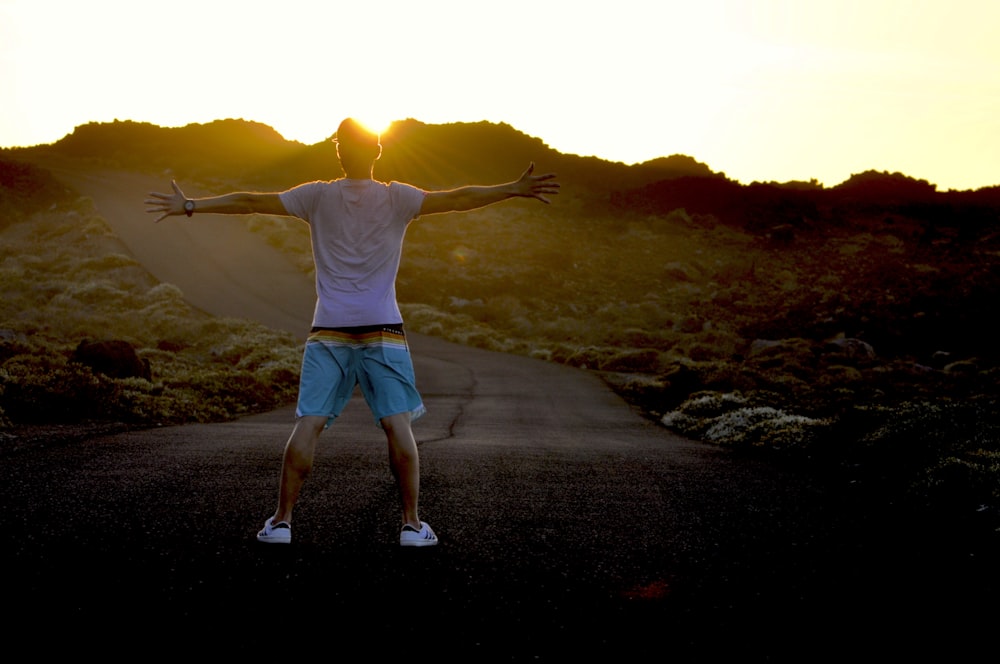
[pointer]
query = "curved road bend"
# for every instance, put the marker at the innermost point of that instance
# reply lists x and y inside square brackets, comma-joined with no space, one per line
[221,267]
[569,525]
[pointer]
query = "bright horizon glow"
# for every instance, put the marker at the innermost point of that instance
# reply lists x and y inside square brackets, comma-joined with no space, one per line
[761,90]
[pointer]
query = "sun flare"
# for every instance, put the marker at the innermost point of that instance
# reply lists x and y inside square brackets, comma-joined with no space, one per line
[375,124]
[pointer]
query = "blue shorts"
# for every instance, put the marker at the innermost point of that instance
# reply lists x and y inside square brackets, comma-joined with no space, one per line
[375,358]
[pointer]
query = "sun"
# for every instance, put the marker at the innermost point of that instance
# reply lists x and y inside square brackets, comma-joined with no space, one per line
[375,124]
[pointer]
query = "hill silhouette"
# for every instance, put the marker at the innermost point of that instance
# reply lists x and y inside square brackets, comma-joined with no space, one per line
[445,155]
[432,156]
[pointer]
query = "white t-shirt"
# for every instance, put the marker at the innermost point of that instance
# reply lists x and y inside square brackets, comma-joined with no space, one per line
[356,229]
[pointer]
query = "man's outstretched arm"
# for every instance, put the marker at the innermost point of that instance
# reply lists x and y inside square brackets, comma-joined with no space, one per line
[241,202]
[472,197]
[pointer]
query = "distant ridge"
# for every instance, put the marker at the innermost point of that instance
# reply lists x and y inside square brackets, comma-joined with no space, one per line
[238,152]
[431,155]
[222,147]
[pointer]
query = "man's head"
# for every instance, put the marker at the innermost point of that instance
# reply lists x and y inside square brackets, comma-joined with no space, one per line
[357,146]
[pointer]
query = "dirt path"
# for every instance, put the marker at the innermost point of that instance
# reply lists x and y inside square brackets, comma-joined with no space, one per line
[220,266]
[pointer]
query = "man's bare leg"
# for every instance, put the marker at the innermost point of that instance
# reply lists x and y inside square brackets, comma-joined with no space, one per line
[297,463]
[404,461]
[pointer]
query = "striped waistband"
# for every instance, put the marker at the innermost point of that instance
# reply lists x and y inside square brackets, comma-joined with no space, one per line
[359,337]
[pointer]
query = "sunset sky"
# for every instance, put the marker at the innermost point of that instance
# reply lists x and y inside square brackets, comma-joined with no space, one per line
[762,90]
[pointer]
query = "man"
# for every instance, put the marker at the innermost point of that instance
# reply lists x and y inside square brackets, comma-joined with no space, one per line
[357,226]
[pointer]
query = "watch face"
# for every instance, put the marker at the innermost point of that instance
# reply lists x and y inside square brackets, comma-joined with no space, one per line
[189,205]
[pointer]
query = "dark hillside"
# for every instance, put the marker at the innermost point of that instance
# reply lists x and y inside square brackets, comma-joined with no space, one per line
[885,197]
[433,156]
[26,189]
[224,148]
[448,154]
[442,156]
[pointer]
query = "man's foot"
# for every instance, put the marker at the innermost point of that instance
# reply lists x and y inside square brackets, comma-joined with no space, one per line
[275,533]
[410,536]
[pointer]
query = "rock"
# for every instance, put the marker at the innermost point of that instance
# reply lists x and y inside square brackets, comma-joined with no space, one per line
[784,347]
[678,271]
[760,346]
[940,359]
[783,234]
[962,367]
[855,349]
[113,357]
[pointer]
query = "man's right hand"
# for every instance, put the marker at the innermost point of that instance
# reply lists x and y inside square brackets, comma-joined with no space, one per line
[166,204]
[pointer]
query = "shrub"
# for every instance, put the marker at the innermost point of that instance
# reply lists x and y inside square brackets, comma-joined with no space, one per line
[64,279]
[648,361]
[728,419]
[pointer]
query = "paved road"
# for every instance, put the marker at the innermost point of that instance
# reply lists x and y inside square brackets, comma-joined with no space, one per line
[569,525]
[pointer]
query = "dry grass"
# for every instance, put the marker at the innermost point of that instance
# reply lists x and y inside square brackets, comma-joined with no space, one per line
[65,277]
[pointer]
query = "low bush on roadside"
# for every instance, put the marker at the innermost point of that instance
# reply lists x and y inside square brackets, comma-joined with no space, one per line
[66,278]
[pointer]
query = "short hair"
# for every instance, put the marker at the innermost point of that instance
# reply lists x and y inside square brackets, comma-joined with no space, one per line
[354,133]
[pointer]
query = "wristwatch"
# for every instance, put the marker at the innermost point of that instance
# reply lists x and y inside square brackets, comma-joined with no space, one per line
[189,207]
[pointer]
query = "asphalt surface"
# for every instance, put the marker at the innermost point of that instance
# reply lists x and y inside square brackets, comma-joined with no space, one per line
[570,527]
